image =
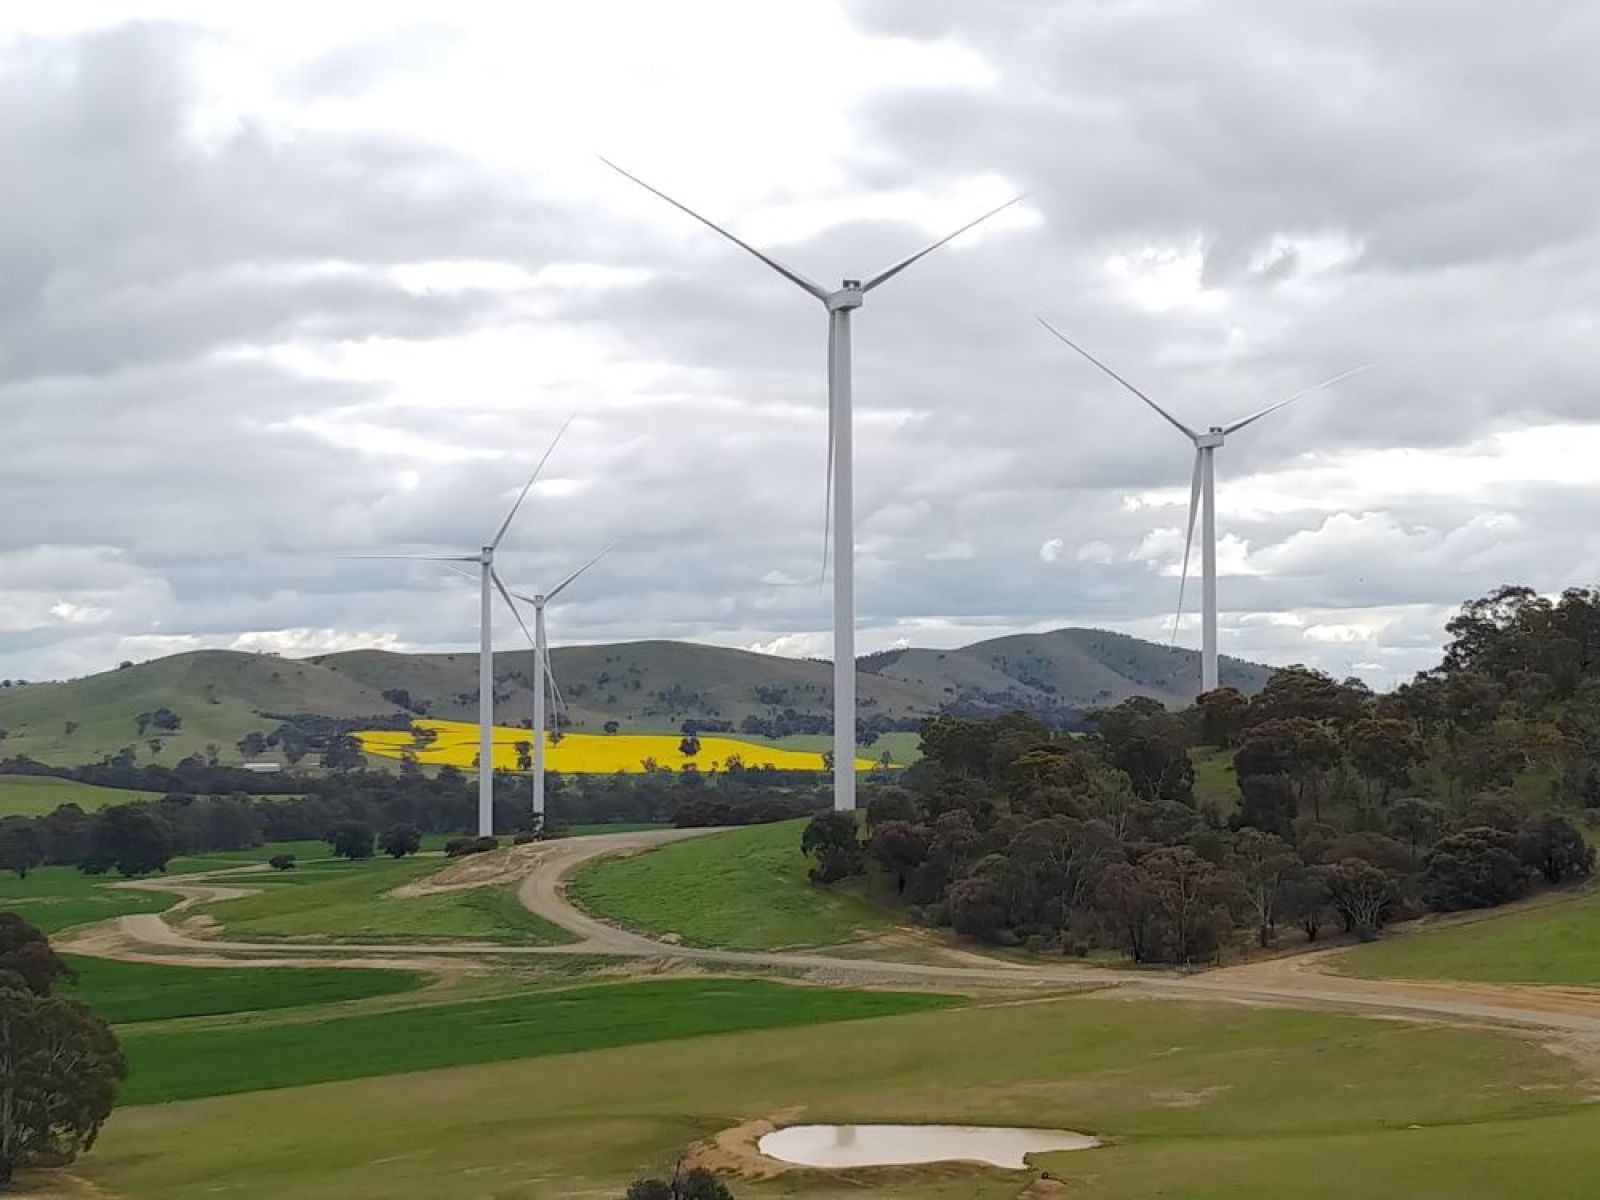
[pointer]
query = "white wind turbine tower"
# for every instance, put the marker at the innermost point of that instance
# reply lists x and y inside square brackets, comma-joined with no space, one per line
[488,582]
[1203,495]
[544,674]
[840,302]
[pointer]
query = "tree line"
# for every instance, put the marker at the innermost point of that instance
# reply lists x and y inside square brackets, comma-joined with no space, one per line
[1464,788]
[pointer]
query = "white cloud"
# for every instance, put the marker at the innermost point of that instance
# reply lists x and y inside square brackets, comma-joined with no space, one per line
[362,297]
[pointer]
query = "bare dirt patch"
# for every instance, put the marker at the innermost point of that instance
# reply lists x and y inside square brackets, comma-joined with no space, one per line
[491,869]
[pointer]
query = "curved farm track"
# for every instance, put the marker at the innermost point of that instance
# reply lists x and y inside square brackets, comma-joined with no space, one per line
[543,869]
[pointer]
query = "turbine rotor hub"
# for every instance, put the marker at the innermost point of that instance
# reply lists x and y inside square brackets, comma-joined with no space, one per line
[1209,440]
[848,296]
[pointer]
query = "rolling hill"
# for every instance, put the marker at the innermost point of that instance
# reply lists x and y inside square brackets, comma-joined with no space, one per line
[220,696]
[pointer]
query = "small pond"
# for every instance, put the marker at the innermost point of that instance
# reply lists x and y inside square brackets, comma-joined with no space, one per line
[900,1145]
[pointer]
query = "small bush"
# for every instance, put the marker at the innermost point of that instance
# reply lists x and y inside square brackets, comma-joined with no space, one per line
[281,862]
[522,839]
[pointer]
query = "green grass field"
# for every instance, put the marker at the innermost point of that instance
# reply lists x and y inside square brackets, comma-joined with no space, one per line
[1551,941]
[36,795]
[347,900]
[126,992]
[55,898]
[173,1064]
[746,889]
[1215,780]
[1202,1102]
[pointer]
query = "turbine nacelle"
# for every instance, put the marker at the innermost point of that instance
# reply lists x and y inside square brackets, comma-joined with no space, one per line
[849,295]
[1210,439]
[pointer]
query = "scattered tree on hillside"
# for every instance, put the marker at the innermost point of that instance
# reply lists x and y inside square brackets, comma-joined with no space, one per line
[351,839]
[689,746]
[1416,821]
[1475,868]
[397,841]
[59,1063]
[1383,751]
[830,839]
[1223,715]
[1149,745]
[694,1183]
[129,838]
[26,954]
[281,862]
[1265,865]
[1363,896]
[1551,845]
[20,847]
[900,847]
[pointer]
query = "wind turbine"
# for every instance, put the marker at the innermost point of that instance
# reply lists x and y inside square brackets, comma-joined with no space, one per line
[1203,495]
[542,671]
[840,302]
[488,583]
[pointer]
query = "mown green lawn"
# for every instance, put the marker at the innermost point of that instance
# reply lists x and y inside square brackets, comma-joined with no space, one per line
[745,889]
[127,992]
[172,1064]
[335,899]
[1204,1102]
[1553,940]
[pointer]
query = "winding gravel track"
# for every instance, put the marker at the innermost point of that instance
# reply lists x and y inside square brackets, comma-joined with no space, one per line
[1295,981]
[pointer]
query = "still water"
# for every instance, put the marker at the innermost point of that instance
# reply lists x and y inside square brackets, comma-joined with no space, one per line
[897,1145]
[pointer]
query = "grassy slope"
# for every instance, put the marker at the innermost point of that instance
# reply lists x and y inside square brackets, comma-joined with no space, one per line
[745,889]
[1204,1102]
[1215,780]
[54,898]
[219,695]
[1550,942]
[180,1063]
[124,992]
[647,686]
[35,795]
[331,899]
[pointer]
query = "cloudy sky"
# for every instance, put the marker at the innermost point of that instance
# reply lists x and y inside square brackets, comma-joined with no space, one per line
[280,283]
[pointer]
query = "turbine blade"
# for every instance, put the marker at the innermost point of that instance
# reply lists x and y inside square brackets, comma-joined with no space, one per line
[506,595]
[557,590]
[886,275]
[793,276]
[527,487]
[472,575]
[1176,424]
[1188,542]
[559,701]
[1272,408]
[442,558]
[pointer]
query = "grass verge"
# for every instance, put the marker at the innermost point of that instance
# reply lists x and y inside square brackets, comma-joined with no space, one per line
[745,889]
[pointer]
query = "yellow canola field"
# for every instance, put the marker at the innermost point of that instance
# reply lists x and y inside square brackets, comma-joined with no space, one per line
[456,744]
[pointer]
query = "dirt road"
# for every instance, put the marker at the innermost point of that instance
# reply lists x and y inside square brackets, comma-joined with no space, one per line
[545,868]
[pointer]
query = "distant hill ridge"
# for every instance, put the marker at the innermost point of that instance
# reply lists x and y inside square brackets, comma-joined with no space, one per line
[221,696]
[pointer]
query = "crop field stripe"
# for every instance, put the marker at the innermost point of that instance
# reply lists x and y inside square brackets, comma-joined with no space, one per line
[455,744]
[132,992]
[180,1064]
